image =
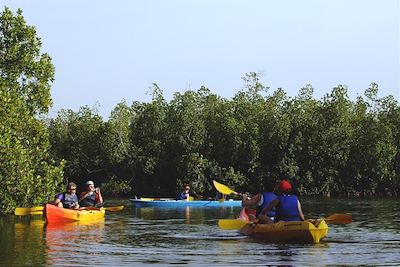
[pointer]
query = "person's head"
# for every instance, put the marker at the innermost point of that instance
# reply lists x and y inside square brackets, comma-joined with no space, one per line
[90,184]
[285,187]
[186,188]
[71,187]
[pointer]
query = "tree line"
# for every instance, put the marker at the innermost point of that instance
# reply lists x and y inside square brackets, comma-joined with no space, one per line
[332,146]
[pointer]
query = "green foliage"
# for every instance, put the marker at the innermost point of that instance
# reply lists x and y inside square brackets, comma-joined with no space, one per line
[78,137]
[324,147]
[114,187]
[28,175]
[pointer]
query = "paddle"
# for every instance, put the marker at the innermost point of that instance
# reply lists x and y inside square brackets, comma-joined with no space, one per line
[39,210]
[339,218]
[28,211]
[237,224]
[224,189]
[117,208]
[231,224]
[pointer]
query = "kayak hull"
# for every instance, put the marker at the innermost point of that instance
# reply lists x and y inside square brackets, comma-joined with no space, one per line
[309,231]
[287,232]
[54,214]
[171,203]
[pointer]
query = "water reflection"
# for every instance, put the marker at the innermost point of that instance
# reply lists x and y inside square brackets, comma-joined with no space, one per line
[140,236]
[71,242]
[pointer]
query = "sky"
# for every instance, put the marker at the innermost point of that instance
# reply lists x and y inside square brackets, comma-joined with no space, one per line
[105,52]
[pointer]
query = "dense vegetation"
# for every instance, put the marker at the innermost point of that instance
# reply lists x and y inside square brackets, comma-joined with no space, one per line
[325,147]
[28,175]
[332,146]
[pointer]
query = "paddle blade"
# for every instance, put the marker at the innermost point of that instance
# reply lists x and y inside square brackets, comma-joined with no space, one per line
[28,211]
[117,208]
[223,188]
[231,224]
[338,218]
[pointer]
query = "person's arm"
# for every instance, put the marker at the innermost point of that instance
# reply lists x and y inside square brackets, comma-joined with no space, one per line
[57,200]
[99,197]
[83,196]
[301,214]
[252,201]
[269,207]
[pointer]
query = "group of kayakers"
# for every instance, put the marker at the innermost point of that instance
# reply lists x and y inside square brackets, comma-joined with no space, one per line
[276,204]
[90,198]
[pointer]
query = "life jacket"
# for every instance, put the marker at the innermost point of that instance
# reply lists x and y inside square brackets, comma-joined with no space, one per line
[181,196]
[287,209]
[267,198]
[68,200]
[89,201]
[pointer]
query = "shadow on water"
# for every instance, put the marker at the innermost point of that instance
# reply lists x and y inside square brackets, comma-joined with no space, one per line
[190,236]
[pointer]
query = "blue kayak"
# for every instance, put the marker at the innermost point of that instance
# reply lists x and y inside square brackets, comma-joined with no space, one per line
[172,203]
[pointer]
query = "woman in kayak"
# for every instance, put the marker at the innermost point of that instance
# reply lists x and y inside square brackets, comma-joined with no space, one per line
[67,199]
[91,197]
[288,207]
[261,200]
[184,195]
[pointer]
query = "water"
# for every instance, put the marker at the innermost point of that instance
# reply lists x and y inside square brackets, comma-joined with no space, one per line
[190,236]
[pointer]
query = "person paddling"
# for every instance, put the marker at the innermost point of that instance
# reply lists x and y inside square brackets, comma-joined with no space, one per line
[91,197]
[68,199]
[261,201]
[288,207]
[184,195]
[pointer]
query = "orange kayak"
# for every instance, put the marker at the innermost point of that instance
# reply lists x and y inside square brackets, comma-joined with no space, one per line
[54,214]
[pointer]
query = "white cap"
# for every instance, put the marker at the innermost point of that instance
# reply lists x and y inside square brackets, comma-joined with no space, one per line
[89,183]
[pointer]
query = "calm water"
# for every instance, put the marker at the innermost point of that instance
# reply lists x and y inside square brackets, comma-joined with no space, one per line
[162,237]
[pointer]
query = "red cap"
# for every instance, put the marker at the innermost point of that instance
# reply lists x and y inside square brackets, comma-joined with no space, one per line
[285,186]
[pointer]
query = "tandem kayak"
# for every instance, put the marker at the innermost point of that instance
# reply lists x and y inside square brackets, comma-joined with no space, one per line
[54,214]
[287,232]
[309,231]
[172,203]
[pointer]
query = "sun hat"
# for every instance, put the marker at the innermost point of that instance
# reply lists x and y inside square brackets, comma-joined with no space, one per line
[89,182]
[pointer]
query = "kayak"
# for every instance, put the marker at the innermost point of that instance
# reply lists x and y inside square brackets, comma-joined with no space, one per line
[309,231]
[54,214]
[287,232]
[172,203]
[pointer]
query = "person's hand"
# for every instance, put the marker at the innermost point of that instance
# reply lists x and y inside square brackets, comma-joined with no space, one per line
[97,190]
[245,196]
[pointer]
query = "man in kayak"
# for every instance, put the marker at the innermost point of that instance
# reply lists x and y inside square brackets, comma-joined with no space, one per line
[261,200]
[287,206]
[184,195]
[68,199]
[91,197]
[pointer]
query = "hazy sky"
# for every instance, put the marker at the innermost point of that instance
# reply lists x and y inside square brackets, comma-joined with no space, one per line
[107,51]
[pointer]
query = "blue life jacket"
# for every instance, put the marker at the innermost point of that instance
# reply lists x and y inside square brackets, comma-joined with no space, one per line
[267,198]
[69,200]
[181,196]
[287,209]
[89,201]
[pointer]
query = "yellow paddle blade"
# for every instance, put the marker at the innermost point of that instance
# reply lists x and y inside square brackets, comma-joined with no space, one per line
[117,208]
[338,218]
[223,188]
[28,211]
[231,224]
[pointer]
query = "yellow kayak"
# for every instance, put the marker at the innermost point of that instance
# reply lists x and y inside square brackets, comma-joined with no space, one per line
[54,214]
[287,232]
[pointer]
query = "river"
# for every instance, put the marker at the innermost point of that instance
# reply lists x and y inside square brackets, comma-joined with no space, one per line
[190,236]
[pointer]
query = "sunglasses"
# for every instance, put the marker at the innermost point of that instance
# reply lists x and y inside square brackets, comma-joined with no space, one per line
[72,189]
